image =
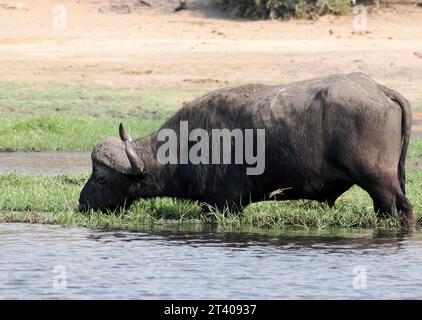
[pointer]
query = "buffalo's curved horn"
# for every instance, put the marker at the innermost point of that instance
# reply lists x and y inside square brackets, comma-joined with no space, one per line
[135,160]
[124,136]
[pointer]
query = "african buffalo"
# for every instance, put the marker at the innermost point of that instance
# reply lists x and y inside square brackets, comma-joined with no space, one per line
[322,136]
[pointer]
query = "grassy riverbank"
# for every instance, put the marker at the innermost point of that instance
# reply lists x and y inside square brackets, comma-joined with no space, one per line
[73,133]
[66,133]
[53,200]
[53,116]
[75,117]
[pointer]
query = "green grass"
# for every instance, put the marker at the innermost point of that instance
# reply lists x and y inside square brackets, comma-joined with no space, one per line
[55,116]
[54,199]
[415,150]
[52,99]
[66,133]
[67,117]
[282,9]
[417,107]
[73,133]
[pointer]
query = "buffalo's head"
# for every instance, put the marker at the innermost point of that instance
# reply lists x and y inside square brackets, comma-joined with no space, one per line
[116,169]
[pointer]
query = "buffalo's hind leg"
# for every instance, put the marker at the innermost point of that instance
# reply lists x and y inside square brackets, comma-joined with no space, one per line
[404,206]
[337,191]
[388,197]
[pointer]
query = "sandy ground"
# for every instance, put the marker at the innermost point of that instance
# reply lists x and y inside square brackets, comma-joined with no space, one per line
[196,49]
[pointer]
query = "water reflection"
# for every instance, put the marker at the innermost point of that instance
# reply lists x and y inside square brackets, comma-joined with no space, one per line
[172,262]
[285,239]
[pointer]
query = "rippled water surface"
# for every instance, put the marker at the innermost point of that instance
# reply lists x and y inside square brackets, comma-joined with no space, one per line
[57,163]
[186,265]
[45,163]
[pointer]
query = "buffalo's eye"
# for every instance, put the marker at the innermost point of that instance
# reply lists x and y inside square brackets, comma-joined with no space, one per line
[100,179]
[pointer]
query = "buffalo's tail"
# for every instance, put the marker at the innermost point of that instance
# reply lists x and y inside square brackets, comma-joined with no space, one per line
[406,124]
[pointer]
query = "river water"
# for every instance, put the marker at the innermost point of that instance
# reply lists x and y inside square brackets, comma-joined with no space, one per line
[44,163]
[57,163]
[44,261]
[53,262]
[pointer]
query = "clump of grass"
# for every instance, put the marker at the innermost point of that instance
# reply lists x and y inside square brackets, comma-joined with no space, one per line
[37,199]
[417,107]
[55,199]
[43,194]
[282,9]
[415,150]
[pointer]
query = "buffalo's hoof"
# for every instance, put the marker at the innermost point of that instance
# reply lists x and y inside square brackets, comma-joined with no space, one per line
[408,221]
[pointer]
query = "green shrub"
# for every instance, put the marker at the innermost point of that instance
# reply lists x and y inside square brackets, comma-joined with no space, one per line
[282,9]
